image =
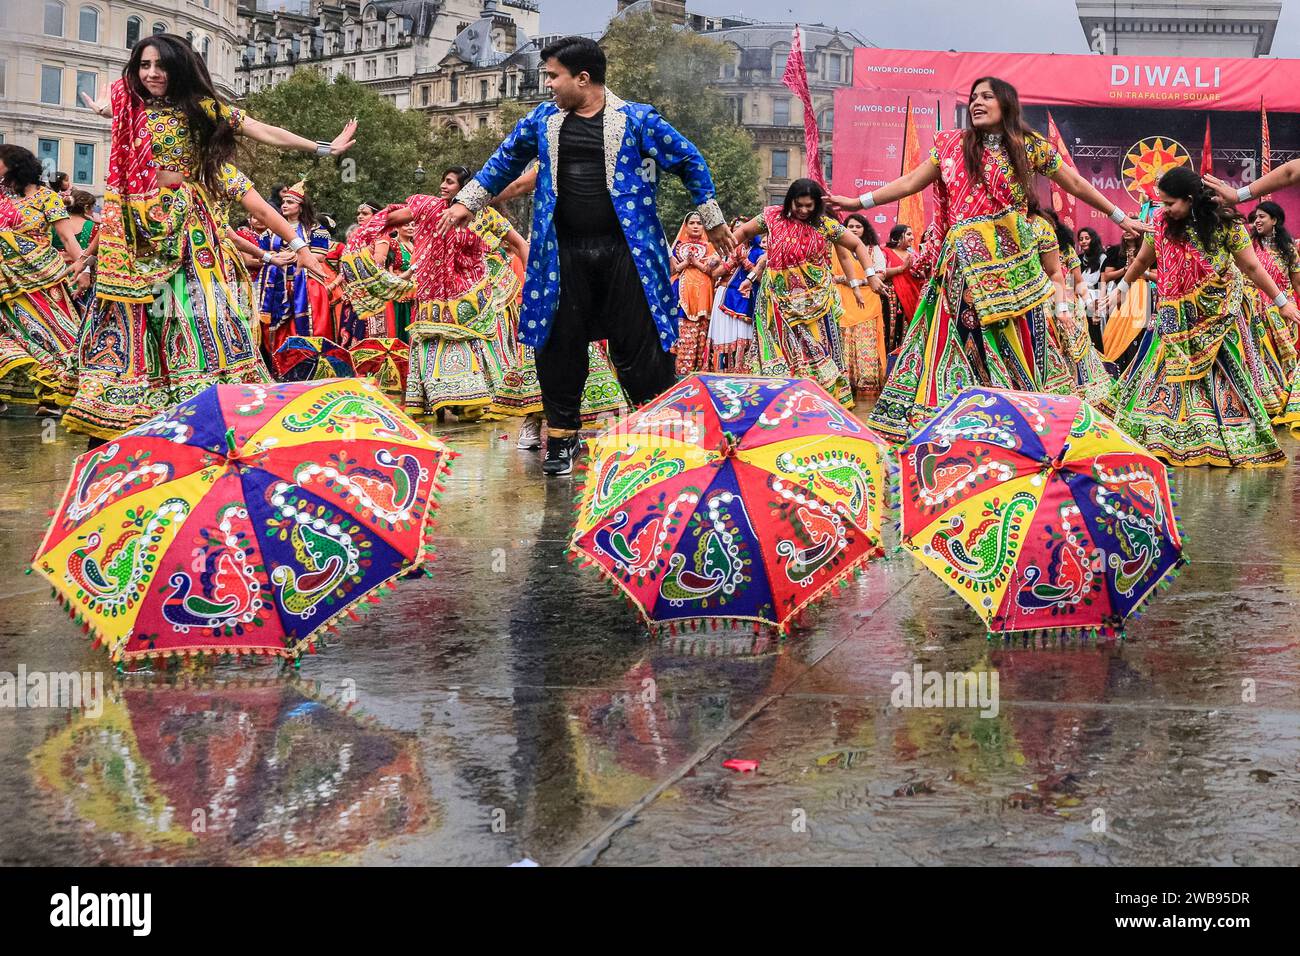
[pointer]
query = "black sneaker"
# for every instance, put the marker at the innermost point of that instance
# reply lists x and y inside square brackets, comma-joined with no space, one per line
[560,453]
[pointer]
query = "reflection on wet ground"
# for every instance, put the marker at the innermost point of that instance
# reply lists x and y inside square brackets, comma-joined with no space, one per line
[509,707]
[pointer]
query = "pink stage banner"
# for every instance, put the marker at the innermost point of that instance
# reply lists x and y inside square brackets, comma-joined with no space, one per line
[868,146]
[1050,79]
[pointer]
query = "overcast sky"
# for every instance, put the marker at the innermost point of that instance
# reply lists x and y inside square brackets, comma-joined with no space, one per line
[1037,26]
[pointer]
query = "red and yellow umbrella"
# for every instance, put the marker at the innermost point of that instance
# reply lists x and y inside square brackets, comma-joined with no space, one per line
[244,521]
[387,361]
[732,497]
[1038,511]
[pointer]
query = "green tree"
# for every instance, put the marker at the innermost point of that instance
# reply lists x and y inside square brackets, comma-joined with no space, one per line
[391,143]
[653,61]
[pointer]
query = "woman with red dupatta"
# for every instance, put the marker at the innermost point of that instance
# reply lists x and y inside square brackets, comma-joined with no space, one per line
[166,323]
[988,285]
[692,264]
[797,310]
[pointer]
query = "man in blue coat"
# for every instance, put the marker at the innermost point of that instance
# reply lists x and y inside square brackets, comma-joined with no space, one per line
[598,260]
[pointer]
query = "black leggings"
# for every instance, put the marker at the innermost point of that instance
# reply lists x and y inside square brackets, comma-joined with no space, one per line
[601,297]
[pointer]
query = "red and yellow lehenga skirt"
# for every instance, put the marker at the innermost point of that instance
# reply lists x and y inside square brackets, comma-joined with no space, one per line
[791,307]
[168,330]
[40,319]
[452,362]
[1189,397]
[981,321]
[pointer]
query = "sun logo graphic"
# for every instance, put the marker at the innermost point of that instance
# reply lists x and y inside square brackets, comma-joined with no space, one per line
[1149,159]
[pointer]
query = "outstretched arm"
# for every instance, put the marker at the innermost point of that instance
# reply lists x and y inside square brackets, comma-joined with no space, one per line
[1286,175]
[1249,263]
[900,188]
[520,187]
[1068,179]
[502,169]
[283,139]
[263,210]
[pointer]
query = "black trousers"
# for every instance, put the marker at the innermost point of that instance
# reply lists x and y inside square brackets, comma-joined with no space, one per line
[601,297]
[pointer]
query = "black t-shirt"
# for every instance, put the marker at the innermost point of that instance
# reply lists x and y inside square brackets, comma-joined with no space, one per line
[582,203]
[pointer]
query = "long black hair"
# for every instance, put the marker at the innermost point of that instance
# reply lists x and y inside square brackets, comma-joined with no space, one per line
[869,236]
[1092,258]
[1064,237]
[800,188]
[1014,135]
[188,85]
[1208,216]
[24,168]
[897,233]
[1280,234]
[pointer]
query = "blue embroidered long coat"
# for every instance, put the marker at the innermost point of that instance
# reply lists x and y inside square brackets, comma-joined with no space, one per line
[638,143]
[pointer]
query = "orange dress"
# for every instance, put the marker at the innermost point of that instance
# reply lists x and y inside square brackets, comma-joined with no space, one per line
[695,291]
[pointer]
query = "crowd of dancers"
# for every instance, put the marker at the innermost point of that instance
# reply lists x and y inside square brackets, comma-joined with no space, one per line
[108,322]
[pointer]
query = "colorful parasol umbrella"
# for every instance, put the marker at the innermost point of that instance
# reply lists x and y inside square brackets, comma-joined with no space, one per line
[243,521]
[1038,511]
[384,360]
[734,498]
[232,774]
[305,358]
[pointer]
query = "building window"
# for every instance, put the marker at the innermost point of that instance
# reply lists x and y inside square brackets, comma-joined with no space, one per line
[392,32]
[2,139]
[87,80]
[780,111]
[3,71]
[778,62]
[53,18]
[729,70]
[513,78]
[780,164]
[205,46]
[51,85]
[372,68]
[83,164]
[47,151]
[351,67]
[833,67]
[482,122]
[827,171]
[390,66]
[455,87]
[826,119]
[482,89]
[424,95]
[88,25]
[158,28]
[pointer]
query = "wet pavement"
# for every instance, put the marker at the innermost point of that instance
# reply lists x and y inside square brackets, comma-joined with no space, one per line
[509,707]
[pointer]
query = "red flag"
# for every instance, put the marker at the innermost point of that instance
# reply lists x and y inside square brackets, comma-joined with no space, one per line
[1207,161]
[1265,144]
[1062,201]
[911,210]
[796,79]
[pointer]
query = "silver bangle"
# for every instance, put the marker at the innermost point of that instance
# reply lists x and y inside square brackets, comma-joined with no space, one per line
[296,243]
[752,276]
[1243,194]
[868,200]
[855,283]
[1123,286]
[1280,299]
[872,272]
[266,258]
[323,148]
[1117,215]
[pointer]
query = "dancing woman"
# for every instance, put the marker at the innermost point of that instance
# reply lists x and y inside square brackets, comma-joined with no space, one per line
[796,294]
[863,326]
[454,362]
[296,300]
[37,310]
[731,328]
[988,281]
[692,264]
[1189,397]
[1276,250]
[166,323]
